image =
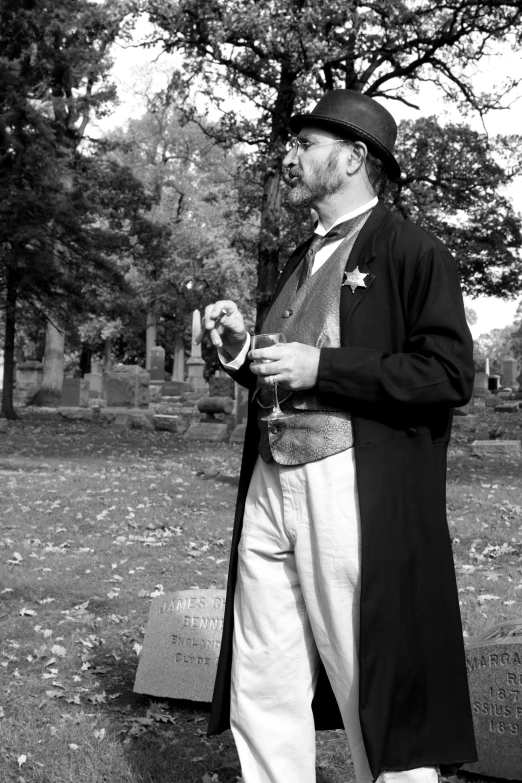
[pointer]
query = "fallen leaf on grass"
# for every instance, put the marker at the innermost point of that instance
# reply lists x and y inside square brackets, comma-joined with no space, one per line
[27,612]
[486,597]
[58,650]
[2,713]
[207,779]
[21,759]
[54,694]
[17,559]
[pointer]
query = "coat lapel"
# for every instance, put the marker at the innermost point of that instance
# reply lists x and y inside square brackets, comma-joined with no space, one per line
[361,257]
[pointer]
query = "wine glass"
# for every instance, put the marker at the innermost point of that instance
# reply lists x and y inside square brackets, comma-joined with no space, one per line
[265,341]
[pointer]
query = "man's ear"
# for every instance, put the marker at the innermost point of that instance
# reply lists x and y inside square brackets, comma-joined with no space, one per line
[358,153]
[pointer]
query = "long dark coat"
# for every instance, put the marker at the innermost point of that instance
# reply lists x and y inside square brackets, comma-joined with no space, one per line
[405,362]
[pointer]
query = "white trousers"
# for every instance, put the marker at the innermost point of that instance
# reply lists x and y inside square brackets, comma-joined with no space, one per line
[296,603]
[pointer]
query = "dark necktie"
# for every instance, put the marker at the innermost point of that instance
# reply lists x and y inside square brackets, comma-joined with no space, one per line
[341,231]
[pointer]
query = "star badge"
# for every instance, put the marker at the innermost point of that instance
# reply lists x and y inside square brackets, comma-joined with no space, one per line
[355,279]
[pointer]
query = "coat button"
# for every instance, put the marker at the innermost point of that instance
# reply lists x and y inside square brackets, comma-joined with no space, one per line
[288,313]
[411,432]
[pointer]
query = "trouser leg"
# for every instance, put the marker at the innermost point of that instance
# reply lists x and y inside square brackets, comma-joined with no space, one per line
[274,664]
[298,593]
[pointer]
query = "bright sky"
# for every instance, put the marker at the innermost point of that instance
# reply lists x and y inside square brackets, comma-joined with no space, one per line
[132,73]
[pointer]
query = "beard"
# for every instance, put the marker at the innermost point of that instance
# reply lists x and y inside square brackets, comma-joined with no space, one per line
[322,180]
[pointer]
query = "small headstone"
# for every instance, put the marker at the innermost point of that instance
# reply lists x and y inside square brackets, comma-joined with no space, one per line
[492,401]
[75,393]
[212,405]
[493,447]
[494,664]
[480,386]
[464,422]
[127,386]
[170,423]
[157,365]
[205,430]
[238,435]
[95,381]
[507,407]
[509,371]
[123,421]
[463,410]
[174,388]
[3,425]
[181,645]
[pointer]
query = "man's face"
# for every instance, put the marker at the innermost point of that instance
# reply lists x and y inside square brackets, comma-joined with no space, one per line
[314,170]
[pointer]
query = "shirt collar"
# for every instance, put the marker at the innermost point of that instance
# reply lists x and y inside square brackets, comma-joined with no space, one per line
[320,229]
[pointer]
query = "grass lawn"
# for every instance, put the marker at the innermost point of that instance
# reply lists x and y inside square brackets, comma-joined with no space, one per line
[92,523]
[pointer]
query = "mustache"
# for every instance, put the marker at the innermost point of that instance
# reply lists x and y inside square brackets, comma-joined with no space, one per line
[292,173]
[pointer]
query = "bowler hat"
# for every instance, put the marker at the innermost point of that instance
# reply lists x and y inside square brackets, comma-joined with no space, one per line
[347,111]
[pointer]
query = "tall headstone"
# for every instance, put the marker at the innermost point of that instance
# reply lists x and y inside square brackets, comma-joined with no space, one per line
[178,370]
[494,664]
[509,372]
[157,364]
[486,366]
[181,645]
[196,365]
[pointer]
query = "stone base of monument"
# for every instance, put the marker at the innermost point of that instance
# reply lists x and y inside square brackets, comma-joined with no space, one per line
[180,650]
[494,664]
[205,430]
[493,447]
[492,401]
[238,435]
[76,414]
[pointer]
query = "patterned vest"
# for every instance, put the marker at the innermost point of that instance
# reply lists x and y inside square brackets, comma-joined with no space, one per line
[309,315]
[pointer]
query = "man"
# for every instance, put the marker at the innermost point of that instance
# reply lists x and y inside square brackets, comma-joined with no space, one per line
[341,579]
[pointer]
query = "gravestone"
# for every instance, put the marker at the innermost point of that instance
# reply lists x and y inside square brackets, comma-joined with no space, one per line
[181,646]
[493,447]
[29,376]
[127,387]
[75,393]
[480,385]
[494,664]
[178,368]
[509,372]
[157,365]
[174,388]
[95,381]
[494,383]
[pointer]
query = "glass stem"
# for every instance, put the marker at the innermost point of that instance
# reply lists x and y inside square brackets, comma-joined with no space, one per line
[276,408]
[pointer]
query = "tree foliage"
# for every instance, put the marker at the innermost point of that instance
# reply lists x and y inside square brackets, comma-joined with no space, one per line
[62,209]
[258,61]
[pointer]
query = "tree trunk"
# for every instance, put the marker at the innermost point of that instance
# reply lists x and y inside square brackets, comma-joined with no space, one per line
[270,229]
[107,355]
[50,392]
[85,359]
[8,410]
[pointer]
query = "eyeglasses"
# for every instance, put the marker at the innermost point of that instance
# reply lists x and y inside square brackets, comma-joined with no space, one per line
[303,144]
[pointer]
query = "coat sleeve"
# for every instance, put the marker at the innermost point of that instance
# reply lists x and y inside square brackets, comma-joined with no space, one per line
[435,361]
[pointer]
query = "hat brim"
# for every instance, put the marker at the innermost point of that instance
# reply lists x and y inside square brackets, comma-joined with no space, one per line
[393,170]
